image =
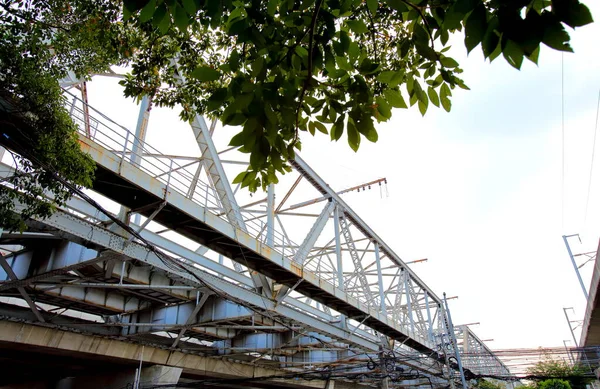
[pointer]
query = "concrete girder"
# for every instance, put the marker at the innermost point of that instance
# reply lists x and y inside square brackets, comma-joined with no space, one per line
[87,346]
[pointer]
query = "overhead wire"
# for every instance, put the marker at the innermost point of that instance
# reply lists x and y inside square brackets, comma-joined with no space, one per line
[589,189]
[562,116]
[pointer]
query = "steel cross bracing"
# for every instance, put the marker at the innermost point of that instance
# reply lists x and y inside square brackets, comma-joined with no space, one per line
[123,287]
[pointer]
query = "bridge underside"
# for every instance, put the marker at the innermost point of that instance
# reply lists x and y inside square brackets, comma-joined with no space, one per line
[590,334]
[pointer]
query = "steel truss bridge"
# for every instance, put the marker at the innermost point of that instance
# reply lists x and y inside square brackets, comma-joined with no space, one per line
[189,262]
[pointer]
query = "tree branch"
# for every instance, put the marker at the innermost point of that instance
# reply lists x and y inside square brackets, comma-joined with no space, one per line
[416,8]
[310,63]
[372,30]
[31,20]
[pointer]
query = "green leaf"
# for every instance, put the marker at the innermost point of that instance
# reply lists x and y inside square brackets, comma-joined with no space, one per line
[234,61]
[216,100]
[237,119]
[337,129]
[398,5]
[384,109]
[321,127]
[465,6]
[240,177]
[272,7]
[491,40]
[148,11]
[448,62]
[159,16]
[190,7]
[577,15]
[357,26]
[534,56]
[372,6]
[205,73]
[132,6]
[445,94]
[433,96]
[423,107]
[513,54]
[165,23]
[555,35]
[475,27]
[394,98]
[453,19]
[182,19]
[238,140]
[353,136]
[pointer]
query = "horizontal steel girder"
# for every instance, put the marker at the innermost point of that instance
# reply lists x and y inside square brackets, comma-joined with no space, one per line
[76,229]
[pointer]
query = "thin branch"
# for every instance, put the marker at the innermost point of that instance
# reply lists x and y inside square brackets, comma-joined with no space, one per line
[372,31]
[416,8]
[310,63]
[31,20]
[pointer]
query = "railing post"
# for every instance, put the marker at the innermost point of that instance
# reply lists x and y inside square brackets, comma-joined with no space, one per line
[380,280]
[271,215]
[338,247]
[140,131]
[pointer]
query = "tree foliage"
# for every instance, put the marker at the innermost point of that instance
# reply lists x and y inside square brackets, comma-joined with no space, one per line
[486,384]
[552,373]
[279,67]
[554,384]
[38,45]
[274,69]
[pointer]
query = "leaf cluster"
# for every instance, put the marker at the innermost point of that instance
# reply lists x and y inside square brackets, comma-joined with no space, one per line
[559,370]
[278,68]
[39,44]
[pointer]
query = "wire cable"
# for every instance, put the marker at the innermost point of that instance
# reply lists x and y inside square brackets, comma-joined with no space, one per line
[589,189]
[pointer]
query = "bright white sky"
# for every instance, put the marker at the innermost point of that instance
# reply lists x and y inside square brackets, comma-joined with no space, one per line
[478,191]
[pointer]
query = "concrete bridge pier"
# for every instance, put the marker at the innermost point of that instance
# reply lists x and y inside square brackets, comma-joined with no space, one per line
[152,375]
[124,379]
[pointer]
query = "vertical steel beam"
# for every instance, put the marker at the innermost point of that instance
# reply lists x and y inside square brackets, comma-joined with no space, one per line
[409,304]
[583,288]
[191,319]
[379,279]
[86,110]
[430,324]
[140,131]
[450,328]
[216,173]
[271,215]
[309,242]
[338,247]
[11,274]
[218,178]
[570,326]
[136,150]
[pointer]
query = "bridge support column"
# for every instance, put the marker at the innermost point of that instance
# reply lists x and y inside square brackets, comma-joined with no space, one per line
[152,375]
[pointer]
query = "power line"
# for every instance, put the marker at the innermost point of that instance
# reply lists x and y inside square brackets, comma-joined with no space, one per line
[587,201]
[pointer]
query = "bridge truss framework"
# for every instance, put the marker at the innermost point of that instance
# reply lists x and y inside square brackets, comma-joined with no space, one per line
[191,262]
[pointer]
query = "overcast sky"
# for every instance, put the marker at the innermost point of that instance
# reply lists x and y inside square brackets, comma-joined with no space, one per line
[478,191]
